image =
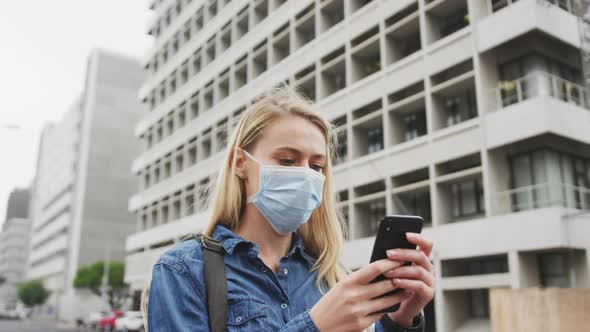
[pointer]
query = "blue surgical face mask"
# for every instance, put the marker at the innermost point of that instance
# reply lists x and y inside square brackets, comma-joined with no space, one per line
[287,195]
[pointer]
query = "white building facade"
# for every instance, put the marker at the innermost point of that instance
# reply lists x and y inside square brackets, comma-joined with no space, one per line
[470,113]
[78,207]
[14,244]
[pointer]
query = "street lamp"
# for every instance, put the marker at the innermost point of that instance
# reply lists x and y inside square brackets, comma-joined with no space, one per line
[10,126]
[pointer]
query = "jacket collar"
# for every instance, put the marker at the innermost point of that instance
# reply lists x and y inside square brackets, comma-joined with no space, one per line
[230,241]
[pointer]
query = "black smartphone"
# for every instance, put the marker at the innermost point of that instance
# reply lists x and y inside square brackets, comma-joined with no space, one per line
[392,235]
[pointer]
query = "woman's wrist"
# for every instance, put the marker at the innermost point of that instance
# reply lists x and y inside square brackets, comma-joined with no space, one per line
[403,322]
[415,324]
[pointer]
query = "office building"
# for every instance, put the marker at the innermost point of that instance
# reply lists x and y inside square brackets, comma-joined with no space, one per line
[14,245]
[79,211]
[470,113]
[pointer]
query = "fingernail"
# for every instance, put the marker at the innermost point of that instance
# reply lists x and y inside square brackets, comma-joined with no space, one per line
[392,252]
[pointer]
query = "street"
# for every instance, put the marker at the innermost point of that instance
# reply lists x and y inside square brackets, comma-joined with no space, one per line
[27,325]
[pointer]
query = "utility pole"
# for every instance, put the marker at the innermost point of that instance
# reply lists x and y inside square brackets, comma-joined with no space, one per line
[105,274]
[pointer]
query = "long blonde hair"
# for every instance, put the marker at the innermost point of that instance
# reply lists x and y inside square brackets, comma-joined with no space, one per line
[323,234]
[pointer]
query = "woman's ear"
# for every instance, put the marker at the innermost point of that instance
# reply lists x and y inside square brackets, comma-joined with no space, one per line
[239,159]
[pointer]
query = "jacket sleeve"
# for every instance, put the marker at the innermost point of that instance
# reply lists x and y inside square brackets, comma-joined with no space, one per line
[387,325]
[172,305]
[300,323]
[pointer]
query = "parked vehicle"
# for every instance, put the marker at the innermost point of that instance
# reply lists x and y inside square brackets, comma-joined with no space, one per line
[107,323]
[91,319]
[132,321]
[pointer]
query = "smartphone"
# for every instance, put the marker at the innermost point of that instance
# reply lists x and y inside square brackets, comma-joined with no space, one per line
[392,235]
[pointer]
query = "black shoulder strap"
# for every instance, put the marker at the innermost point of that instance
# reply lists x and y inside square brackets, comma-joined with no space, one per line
[215,282]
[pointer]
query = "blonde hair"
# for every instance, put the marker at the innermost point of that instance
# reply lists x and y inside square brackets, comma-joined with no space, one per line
[322,235]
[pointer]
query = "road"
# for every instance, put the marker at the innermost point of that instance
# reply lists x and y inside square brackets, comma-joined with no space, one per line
[30,326]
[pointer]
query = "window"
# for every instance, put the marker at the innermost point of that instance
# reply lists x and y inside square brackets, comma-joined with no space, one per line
[479,303]
[460,108]
[554,270]
[475,266]
[454,22]
[416,203]
[376,212]
[375,139]
[415,124]
[467,198]
[342,148]
[554,177]
[534,66]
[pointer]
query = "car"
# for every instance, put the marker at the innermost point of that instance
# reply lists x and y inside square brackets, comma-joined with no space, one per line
[131,321]
[92,318]
[107,323]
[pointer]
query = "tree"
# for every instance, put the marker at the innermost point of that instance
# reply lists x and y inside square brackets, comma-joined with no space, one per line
[90,276]
[32,293]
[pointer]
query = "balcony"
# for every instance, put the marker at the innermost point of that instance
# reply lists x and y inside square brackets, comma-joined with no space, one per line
[538,84]
[509,19]
[540,196]
[495,5]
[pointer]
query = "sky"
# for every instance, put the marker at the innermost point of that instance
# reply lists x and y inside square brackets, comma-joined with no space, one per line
[43,53]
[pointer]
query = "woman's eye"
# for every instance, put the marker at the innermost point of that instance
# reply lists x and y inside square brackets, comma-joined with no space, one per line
[287,162]
[318,168]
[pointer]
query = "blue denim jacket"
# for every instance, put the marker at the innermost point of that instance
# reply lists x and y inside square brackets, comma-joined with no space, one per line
[258,299]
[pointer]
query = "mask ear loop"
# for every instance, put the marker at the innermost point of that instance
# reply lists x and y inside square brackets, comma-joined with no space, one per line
[249,199]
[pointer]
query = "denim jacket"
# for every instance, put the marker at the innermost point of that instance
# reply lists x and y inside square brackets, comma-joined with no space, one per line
[258,299]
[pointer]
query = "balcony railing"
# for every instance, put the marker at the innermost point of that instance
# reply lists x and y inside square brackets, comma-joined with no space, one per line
[495,5]
[540,196]
[537,84]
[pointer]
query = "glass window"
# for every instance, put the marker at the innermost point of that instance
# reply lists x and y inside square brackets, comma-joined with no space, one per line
[375,139]
[479,303]
[376,212]
[415,124]
[554,270]
[454,22]
[467,198]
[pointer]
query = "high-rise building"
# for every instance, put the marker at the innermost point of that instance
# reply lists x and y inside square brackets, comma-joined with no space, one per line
[79,210]
[469,113]
[18,204]
[14,245]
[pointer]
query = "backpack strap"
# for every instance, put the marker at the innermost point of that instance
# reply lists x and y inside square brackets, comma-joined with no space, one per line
[215,281]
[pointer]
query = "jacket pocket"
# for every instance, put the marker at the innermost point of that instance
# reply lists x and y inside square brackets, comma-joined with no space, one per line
[246,314]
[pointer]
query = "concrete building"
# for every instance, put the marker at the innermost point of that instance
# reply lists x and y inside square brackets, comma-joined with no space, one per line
[81,186]
[18,204]
[14,243]
[470,113]
[14,246]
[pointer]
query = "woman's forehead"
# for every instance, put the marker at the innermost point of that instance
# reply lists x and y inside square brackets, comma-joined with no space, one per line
[296,132]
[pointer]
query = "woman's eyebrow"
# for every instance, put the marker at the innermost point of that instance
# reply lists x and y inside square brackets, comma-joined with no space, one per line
[298,153]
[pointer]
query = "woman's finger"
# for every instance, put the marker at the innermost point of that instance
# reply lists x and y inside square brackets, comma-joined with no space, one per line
[364,275]
[416,272]
[378,288]
[409,255]
[417,286]
[386,301]
[419,239]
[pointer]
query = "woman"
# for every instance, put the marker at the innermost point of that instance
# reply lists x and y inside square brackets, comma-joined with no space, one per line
[277,218]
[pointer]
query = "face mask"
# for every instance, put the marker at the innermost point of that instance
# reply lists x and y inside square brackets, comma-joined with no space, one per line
[287,195]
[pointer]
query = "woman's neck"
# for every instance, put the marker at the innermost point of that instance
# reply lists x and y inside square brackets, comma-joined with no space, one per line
[253,227]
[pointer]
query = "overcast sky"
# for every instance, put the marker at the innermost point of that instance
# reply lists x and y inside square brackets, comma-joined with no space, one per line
[43,52]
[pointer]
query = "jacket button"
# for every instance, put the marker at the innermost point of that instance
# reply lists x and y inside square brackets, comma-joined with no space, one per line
[285,271]
[239,319]
[284,305]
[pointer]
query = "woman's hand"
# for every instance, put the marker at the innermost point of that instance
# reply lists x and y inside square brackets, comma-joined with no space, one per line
[351,303]
[418,279]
